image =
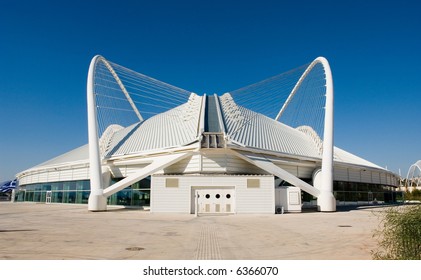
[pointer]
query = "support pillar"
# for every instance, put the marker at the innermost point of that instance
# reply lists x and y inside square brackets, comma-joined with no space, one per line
[326,202]
[97,201]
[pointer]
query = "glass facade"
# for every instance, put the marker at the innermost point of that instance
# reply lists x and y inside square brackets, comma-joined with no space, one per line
[77,192]
[365,194]
[353,193]
[138,194]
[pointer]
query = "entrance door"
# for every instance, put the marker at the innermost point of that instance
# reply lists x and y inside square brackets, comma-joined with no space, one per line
[215,201]
[48,197]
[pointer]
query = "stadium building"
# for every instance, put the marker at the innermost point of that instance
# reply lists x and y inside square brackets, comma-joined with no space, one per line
[159,147]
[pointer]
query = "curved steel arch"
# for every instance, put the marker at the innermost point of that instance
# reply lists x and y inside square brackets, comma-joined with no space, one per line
[99,58]
[412,170]
[97,201]
[329,82]
[326,201]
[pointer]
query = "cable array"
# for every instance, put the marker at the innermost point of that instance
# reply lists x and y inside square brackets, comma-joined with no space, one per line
[305,108]
[146,95]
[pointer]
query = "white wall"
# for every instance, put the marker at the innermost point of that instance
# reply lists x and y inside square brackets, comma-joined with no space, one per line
[179,200]
[52,175]
[363,176]
[289,198]
[212,162]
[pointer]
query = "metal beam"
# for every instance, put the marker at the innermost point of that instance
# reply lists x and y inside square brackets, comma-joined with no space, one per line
[157,164]
[267,165]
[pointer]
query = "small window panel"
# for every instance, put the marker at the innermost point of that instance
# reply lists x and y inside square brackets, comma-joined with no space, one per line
[171,183]
[253,183]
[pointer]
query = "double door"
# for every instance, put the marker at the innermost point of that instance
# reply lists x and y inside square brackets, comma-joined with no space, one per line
[215,201]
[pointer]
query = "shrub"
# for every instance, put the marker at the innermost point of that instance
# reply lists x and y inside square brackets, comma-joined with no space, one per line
[414,195]
[399,236]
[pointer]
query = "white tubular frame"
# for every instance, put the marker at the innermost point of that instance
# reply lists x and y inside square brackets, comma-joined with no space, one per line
[326,202]
[411,173]
[97,201]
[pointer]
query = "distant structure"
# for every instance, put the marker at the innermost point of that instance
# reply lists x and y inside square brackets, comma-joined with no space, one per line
[264,148]
[413,178]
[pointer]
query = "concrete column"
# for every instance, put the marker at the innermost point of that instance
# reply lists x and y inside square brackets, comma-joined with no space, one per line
[97,201]
[326,202]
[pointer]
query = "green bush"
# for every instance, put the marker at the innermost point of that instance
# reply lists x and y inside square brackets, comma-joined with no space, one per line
[414,195]
[399,236]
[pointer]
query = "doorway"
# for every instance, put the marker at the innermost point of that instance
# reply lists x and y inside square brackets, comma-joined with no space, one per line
[213,200]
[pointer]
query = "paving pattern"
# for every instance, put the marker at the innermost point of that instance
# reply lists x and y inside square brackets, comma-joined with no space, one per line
[52,232]
[208,245]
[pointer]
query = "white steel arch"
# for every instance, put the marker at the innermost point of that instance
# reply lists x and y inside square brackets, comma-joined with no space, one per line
[325,201]
[98,197]
[325,65]
[97,201]
[411,173]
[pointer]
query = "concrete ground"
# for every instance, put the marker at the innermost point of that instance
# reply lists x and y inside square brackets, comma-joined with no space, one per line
[31,231]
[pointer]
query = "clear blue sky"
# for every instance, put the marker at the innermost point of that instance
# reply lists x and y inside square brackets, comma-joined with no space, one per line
[374,48]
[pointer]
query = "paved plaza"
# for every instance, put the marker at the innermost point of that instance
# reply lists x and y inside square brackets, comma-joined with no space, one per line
[58,231]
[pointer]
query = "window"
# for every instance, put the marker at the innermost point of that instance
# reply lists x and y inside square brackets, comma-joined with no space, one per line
[171,183]
[253,183]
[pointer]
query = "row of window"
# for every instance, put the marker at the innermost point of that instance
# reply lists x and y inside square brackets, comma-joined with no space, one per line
[363,192]
[369,197]
[138,194]
[362,187]
[360,192]
[78,192]
[82,185]
[126,197]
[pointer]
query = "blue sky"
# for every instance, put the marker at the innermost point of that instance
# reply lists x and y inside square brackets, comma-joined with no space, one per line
[374,49]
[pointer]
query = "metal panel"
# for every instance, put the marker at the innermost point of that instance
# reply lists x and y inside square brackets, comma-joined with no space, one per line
[256,200]
[344,156]
[174,200]
[383,179]
[253,183]
[190,164]
[365,176]
[80,173]
[388,179]
[354,175]
[258,131]
[375,177]
[239,166]
[66,175]
[25,180]
[174,128]
[394,181]
[78,154]
[53,176]
[340,174]
[214,163]
[42,177]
